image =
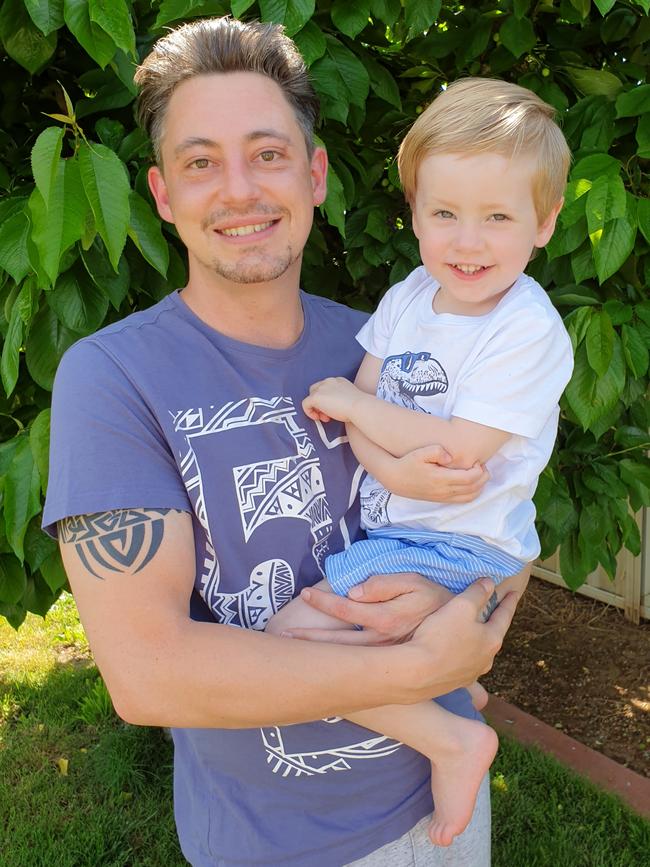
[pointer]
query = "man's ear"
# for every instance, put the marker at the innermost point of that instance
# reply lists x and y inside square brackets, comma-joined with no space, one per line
[158,189]
[546,229]
[319,175]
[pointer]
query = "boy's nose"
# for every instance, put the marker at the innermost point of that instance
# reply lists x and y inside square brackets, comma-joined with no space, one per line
[467,237]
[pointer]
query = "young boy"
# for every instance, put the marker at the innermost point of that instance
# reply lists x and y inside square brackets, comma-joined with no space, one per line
[467,352]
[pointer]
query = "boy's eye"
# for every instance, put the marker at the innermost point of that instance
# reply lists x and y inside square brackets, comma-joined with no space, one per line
[445,215]
[499,218]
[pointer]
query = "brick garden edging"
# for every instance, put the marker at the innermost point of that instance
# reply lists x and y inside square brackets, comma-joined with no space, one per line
[602,771]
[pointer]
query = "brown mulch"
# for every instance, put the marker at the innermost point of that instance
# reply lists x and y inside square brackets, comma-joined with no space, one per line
[578,665]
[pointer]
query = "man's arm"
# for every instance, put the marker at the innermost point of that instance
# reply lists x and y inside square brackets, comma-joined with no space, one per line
[396,429]
[132,573]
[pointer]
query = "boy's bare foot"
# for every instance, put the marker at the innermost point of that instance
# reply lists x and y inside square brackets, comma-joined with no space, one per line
[456,777]
[478,694]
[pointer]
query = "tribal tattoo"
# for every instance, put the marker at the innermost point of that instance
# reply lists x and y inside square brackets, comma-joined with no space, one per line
[123,540]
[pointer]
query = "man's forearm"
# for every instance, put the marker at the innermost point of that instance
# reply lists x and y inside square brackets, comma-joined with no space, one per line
[209,675]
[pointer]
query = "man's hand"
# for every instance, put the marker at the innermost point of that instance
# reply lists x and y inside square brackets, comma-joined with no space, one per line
[423,475]
[389,607]
[330,398]
[451,648]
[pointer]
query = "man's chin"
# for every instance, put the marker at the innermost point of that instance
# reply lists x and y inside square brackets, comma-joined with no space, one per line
[254,272]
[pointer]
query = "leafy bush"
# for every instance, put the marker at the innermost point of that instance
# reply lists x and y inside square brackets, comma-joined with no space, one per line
[81,246]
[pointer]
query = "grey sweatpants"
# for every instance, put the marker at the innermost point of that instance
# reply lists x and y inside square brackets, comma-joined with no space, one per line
[414,849]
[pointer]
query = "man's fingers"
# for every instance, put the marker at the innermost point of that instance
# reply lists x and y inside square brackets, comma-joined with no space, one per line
[336,636]
[501,617]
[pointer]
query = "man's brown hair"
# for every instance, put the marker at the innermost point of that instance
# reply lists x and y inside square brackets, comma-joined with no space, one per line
[221,45]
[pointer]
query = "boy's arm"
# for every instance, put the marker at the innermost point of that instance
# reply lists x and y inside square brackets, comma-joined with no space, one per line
[396,429]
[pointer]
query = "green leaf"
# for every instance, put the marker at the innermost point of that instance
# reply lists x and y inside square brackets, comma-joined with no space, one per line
[294,14]
[311,42]
[518,35]
[594,82]
[79,304]
[56,228]
[592,167]
[107,188]
[238,7]
[643,137]
[176,10]
[114,18]
[114,286]
[47,15]
[39,440]
[604,6]
[605,201]
[53,572]
[643,217]
[22,498]
[387,11]
[637,476]
[520,7]
[334,205]
[612,245]
[577,323]
[591,396]
[12,579]
[582,263]
[95,41]
[554,504]
[14,258]
[377,226]
[573,569]
[419,15]
[600,342]
[340,79]
[635,350]
[45,160]
[11,351]
[382,82]
[146,233]
[23,41]
[48,339]
[38,546]
[634,102]
[350,18]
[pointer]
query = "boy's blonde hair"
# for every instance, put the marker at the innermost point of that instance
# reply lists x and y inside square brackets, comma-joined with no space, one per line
[485,115]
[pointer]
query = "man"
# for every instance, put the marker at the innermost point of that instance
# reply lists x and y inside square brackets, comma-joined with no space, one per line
[185,477]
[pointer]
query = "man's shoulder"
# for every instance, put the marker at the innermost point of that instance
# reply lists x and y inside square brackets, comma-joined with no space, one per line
[337,313]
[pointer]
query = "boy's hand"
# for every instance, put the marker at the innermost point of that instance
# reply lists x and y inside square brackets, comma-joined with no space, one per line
[330,398]
[389,607]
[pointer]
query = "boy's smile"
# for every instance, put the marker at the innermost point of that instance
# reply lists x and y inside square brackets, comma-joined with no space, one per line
[475,218]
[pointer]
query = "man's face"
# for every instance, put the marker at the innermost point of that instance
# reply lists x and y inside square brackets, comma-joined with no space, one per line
[236,179]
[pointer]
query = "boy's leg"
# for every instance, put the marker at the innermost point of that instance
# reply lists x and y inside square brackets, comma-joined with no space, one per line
[298,613]
[461,752]
[472,848]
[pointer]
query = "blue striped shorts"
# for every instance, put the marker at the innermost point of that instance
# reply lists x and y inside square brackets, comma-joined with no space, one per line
[451,559]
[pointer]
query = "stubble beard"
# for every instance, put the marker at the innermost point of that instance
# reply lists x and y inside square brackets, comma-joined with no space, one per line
[254,268]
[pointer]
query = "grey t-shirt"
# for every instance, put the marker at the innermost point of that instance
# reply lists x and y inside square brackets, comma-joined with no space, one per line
[161,411]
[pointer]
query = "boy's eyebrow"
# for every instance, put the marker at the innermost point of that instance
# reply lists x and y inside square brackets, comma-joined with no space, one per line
[201,141]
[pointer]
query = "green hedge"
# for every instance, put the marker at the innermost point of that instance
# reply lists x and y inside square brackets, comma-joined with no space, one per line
[81,245]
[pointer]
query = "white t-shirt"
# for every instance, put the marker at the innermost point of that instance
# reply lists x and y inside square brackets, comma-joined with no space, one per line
[505,369]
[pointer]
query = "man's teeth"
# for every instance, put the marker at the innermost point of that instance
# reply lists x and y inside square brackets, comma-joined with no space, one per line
[246,230]
[469,269]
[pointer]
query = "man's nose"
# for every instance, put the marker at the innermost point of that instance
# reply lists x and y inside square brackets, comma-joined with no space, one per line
[238,183]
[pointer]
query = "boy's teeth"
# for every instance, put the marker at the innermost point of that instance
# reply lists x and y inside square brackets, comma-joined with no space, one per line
[246,230]
[469,269]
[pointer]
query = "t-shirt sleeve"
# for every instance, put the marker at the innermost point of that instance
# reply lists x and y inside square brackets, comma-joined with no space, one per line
[517,379]
[107,450]
[376,333]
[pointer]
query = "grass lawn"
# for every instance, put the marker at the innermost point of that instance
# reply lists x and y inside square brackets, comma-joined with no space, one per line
[78,788]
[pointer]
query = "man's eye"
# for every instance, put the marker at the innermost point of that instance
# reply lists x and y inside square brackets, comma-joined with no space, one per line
[201,163]
[268,156]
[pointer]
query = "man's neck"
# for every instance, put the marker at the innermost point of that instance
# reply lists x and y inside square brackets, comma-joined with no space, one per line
[262,314]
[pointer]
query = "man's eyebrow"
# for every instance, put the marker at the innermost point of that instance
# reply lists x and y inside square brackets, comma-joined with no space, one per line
[200,141]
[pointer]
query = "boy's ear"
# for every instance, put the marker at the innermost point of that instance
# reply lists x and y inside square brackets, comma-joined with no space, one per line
[546,229]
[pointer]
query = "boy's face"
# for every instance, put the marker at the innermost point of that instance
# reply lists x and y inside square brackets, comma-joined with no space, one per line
[475,219]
